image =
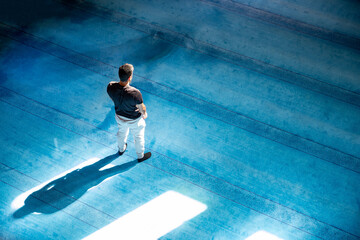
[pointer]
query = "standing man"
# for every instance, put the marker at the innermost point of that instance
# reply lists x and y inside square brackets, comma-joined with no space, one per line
[130,112]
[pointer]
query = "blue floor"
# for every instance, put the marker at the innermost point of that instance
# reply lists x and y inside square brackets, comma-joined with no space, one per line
[254,119]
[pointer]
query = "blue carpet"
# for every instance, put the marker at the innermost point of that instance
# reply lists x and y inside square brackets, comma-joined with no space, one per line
[254,112]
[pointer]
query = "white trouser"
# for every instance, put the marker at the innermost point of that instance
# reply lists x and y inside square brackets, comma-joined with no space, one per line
[137,128]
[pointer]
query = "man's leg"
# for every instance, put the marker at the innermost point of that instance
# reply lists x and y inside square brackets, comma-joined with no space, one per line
[122,134]
[138,130]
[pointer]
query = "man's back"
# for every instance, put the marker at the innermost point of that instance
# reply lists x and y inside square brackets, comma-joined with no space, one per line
[125,99]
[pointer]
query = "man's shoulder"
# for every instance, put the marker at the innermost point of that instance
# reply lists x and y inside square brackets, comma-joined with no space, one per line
[133,89]
[113,85]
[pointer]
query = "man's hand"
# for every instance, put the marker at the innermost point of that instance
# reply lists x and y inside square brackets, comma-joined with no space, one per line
[144,115]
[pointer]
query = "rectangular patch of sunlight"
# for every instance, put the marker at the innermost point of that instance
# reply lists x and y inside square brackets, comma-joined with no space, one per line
[263,235]
[153,219]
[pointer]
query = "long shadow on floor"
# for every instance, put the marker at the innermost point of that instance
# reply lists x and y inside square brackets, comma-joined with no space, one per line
[65,190]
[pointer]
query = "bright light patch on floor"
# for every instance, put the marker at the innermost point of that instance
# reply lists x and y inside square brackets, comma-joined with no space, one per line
[263,235]
[153,219]
[19,200]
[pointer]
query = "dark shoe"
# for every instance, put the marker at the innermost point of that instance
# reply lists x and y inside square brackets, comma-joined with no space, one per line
[121,153]
[146,156]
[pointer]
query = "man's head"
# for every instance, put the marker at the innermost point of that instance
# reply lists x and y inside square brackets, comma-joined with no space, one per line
[126,72]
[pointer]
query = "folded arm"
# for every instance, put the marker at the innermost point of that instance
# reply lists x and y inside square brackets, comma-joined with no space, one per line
[142,109]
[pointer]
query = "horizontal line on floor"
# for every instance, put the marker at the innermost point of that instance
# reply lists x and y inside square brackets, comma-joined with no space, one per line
[206,181]
[186,41]
[286,22]
[308,146]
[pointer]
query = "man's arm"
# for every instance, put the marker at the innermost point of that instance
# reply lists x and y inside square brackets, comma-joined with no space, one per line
[142,109]
[108,89]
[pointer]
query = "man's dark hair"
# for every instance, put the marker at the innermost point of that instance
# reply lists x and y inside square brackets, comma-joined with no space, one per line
[125,71]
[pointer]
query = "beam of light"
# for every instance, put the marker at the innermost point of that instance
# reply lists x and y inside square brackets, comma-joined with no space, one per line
[153,219]
[263,235]
[18,202]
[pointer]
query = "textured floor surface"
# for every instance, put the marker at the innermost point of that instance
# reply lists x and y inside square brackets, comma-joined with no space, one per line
[254,119]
